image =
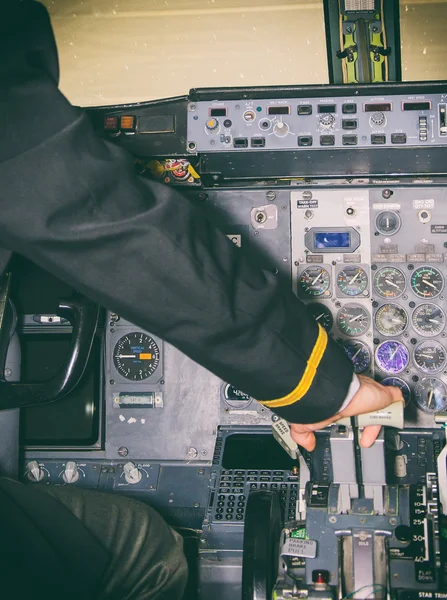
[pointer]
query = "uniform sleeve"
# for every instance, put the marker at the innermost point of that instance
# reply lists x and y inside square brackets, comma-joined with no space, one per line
[71,202]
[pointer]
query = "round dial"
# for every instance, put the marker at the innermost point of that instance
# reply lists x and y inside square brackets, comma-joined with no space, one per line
[321,314]
[388,222]
[428,320]
[352,280]
[399,383]
[136,356]
[389,282]
[327,121]
[353,319]
[431,394]
[377,119]
[429,356]
[391,319]
[359,354]
[392,357]
[280,129]
[315,281]
[427,282]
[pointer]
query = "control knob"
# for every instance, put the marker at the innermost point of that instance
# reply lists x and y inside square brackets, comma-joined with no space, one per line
[281,129]
[34,472]
[132,474]
[377,119]
[327,121]
[71,472]
[212,125]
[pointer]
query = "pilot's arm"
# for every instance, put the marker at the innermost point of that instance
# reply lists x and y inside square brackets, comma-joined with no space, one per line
[71,202]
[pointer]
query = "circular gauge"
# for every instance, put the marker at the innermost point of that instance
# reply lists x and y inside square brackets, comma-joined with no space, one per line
[315,281]
[321,314]
[392,357]
[388,222]
[429,356]
[136,356]
[389,282]
[399,383]
[431,394]
[391,319]
[353,319]
[427,282]
[352,280]
[359,354]
[428,320]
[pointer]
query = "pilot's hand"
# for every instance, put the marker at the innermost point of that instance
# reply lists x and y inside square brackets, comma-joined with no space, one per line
[371,396]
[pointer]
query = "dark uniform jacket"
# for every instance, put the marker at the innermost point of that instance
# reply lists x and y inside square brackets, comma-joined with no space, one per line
[71,202]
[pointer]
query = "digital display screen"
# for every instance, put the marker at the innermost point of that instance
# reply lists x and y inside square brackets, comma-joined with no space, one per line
[257,451]
[332,239]
[278,110]
[218,112]
[327,108]
[72,420]
[385,107]
[416,106]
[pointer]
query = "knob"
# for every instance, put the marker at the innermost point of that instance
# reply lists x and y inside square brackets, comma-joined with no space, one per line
[395,442]
[71,472]
[34,472]
[281,129]
[212,124]
[327,121]
[377,119]
[132,474]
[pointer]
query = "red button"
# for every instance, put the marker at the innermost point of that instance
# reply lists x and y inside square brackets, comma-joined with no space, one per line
[111,124]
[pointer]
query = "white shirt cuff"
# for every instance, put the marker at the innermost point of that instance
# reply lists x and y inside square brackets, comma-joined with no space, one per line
[353,389]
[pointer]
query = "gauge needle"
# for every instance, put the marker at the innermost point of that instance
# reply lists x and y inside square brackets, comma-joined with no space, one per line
[428,283]
[395,320]
[354,278]
[126,356]
[356,354]
[426,355]
[391,283]
[433,321]
[356,318]
[393,355]
[319,317]
[316,279]
[430,398]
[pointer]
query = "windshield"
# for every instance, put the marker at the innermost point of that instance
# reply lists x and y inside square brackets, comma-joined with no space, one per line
[120,51]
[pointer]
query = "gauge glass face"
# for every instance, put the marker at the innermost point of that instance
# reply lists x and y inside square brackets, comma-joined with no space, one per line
[314,282]
[431,394]
[388,222]
[392,357]
[428,320]
[136,356]
[429,356]
[353,319]
[321,314]
[391,319]
[401,384]
[389,282]
[352,280]
[359,354]
[427,282]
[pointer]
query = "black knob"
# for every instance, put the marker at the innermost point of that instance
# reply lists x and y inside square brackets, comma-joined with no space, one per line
[403,533]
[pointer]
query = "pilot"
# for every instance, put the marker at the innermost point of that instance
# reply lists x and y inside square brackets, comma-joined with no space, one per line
[71,202]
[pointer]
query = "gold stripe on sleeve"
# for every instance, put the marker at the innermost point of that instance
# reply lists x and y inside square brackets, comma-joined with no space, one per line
[306,381]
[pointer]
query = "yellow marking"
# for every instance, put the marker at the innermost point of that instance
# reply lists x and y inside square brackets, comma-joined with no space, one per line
[145,357]
[306,381]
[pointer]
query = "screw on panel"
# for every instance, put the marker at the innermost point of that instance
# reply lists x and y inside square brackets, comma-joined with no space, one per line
[204,452]
[363,520]
[112,382]
[192,107]
[192,453]
[196,504]
[201,471]
[123,451]
[332,519]
[270,195]
[393,521]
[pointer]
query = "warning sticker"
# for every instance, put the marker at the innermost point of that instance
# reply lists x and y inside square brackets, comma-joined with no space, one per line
[311,203]
[438,229]
[298,547]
